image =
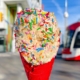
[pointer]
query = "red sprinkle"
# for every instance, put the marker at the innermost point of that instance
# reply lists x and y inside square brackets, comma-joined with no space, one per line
[47,14]
[46,29]
[29,48]
[59,40]
[15,35]
[26,20]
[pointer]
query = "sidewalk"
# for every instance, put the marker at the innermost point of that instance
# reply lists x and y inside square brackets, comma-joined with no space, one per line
[8,54]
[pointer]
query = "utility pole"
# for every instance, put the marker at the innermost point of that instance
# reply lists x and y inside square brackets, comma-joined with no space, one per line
[66,15]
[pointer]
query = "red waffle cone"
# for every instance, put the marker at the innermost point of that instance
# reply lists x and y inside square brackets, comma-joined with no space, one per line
[39,72]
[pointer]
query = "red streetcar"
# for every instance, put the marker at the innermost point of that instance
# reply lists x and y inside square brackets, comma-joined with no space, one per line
[71,50]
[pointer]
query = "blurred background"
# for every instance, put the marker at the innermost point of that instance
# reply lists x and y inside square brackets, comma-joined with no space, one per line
[67,61]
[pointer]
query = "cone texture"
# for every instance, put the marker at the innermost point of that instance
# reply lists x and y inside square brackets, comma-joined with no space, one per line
[39,72]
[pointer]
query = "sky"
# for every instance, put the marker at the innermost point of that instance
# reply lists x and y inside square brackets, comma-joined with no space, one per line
[58,7]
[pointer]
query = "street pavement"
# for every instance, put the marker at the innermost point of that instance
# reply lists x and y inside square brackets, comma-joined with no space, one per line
[11,68]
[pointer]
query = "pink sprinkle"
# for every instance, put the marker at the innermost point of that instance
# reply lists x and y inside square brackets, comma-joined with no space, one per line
[23,42]
[41,24]
[27,32]
[34,47]
[33,58]
[46,44]
[19,15]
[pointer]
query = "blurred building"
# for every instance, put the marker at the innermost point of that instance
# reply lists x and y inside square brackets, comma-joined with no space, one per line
[8,10]
[35,4]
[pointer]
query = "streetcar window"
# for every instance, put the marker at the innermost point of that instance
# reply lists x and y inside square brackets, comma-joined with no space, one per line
[69,36]
[77,41]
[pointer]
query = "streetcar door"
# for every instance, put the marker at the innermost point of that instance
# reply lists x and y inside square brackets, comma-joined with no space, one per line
[75,45]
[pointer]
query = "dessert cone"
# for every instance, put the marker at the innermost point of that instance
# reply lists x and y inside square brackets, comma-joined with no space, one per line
[38,72]
[37,41]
